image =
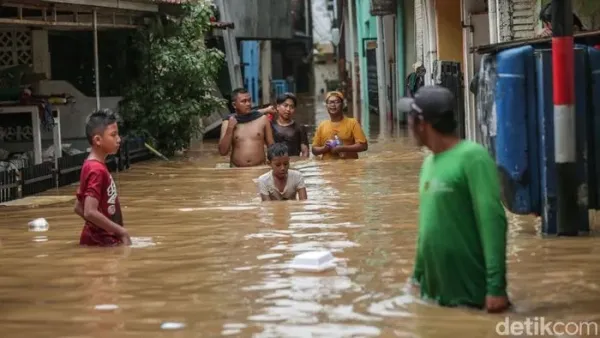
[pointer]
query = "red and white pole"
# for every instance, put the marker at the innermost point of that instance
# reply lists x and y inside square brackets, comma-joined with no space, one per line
[563,76]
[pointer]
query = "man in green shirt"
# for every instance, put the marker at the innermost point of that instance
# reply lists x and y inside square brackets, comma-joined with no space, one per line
[461,246]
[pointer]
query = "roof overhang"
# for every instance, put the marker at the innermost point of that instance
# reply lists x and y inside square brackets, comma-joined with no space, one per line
[128,5]
[78,14]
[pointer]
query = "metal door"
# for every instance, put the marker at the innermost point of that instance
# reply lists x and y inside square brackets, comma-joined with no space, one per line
[251,62]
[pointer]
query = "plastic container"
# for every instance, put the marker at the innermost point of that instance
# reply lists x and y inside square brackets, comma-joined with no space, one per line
[39,224]
[313,261]
[338,142]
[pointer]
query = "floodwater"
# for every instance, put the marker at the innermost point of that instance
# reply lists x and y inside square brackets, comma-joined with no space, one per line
[209,259]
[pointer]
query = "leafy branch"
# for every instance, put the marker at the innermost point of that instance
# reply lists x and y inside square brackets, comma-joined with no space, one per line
[176,76]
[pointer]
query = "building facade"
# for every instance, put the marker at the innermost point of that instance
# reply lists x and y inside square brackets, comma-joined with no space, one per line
[361,34]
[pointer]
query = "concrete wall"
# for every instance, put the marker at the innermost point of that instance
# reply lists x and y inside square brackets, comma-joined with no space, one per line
[73,117]
[252,22]
[323,72]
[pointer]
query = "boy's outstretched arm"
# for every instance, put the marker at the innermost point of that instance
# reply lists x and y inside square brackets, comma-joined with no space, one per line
[91,214]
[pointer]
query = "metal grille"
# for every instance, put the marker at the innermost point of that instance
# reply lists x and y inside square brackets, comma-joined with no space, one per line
[448,74]
[15,48]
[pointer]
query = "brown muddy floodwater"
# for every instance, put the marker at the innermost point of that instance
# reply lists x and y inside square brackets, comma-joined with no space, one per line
[209,259]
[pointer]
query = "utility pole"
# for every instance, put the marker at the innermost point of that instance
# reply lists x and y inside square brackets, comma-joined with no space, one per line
[563,83]
[381,88]
[354,87]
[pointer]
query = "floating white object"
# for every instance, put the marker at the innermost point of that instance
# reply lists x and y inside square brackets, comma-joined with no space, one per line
[313,261]
[172,326]
[39,224]
[106,307]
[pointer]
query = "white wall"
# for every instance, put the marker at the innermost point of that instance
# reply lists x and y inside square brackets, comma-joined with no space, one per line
[72,117]
[321,22]
[481,35]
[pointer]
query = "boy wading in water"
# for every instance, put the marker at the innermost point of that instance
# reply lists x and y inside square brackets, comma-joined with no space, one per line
[281,183]
[97,199]
[246,132]
[461,246]
[286,130]
[340,136]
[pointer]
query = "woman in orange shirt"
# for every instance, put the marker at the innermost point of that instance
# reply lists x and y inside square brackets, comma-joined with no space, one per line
[340,136]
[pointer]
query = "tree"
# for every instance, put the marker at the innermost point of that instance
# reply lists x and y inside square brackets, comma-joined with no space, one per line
[175,79]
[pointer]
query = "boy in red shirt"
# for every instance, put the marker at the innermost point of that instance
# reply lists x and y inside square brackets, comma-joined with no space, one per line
[97,200]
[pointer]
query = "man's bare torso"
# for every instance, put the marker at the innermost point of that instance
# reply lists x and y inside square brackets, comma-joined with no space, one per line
[248,144]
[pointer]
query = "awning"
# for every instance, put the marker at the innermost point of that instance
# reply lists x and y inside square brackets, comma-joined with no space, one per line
[78,14]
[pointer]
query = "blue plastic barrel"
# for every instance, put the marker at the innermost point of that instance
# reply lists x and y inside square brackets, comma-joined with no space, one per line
[593,72]
[516,130]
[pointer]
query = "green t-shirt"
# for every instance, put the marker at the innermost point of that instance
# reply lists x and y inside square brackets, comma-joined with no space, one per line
[461,246]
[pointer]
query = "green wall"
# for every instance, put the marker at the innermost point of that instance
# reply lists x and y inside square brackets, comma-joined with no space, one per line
[367,29]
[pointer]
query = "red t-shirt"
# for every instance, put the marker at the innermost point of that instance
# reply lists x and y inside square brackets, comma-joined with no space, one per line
[95,181]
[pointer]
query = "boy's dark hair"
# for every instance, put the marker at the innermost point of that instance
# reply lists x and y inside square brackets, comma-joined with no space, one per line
[236,92]
[97,122]
[277,150]
[546,16]
[286,96]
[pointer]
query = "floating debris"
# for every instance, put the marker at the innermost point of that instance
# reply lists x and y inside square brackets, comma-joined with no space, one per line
[313,261]
[39,224]
[172,326]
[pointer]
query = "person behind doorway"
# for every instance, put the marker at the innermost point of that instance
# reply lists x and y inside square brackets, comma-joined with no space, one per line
[546,19]
[416,79]
[339,137]
[286,130]
[281,182]
[461,246]
[246,132]
[97,199]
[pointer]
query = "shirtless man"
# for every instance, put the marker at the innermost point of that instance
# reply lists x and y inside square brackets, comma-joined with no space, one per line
[246,132]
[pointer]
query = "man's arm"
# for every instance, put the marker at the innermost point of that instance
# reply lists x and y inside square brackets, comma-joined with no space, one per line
[303,142]
[484,188]
[319,147]
[360,142]
[225,139]
[418,267]
[268,132]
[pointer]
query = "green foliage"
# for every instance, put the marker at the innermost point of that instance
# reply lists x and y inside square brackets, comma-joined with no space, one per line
[175,79]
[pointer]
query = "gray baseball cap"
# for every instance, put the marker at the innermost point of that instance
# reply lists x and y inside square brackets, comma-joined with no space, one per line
[430,102]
